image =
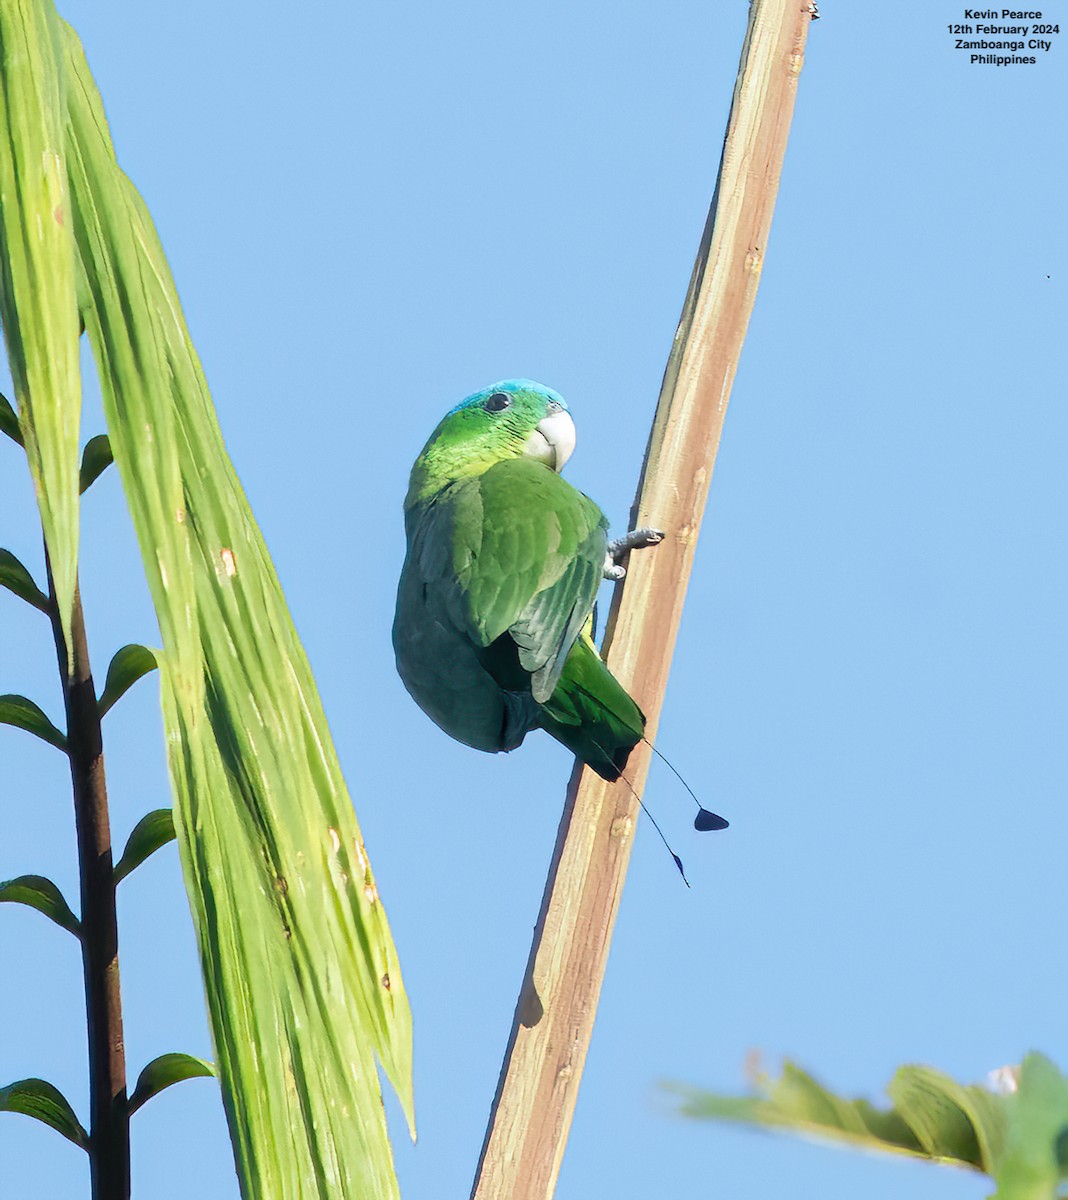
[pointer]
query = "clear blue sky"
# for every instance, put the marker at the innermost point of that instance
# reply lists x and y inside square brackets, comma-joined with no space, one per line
[372,211]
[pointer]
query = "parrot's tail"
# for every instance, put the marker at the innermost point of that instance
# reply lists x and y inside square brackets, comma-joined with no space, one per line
[592,714]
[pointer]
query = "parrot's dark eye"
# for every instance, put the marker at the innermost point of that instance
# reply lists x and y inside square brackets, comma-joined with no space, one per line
[497,402]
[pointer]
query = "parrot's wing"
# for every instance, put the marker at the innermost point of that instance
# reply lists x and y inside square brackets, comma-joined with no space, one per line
[528,556]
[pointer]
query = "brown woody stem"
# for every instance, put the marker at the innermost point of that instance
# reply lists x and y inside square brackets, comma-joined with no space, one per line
[109,1148]
[551,1030]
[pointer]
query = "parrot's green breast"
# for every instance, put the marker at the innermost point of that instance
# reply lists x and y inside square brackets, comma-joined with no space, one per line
[501,573]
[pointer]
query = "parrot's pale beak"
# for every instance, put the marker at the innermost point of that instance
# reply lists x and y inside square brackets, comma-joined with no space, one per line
[553,441]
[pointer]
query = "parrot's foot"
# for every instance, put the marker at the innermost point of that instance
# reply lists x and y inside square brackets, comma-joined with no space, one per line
[636,539]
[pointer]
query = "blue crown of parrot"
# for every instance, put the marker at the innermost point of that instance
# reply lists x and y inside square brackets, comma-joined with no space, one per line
[510,387]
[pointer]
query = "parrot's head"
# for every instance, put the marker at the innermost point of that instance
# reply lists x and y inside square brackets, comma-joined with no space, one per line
[513,419]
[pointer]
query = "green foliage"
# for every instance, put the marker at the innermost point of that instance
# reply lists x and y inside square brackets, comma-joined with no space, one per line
[40,1100]
[38,305]
[24,714]
[15,577]
[164,1071]
[301,976]
[127,666]
[149,834]
[1035,1157]
[9,421]
[951,1121]
[42,894]
[96,458]
[303,987]
[1019,1137]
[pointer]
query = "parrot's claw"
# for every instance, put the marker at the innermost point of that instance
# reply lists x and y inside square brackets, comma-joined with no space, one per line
[612,570]
[636,539]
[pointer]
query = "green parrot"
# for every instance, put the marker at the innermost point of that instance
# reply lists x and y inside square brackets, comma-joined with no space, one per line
[493,630]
